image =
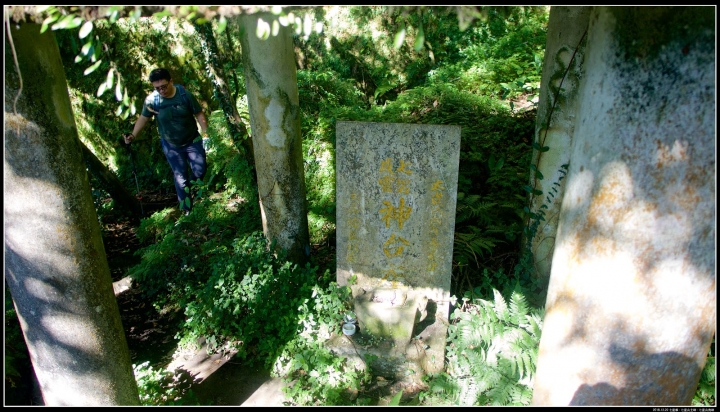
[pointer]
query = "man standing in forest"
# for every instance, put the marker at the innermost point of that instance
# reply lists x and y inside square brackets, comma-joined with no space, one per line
[176,110]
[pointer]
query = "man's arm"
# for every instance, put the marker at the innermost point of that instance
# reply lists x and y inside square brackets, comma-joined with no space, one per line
[200,116]
[139,125]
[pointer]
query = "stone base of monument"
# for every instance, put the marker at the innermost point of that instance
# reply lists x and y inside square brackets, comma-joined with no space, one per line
[399,342]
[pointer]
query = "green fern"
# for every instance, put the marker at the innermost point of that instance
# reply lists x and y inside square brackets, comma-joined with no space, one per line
[492,351]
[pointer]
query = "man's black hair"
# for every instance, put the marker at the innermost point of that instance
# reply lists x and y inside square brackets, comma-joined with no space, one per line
[160,74]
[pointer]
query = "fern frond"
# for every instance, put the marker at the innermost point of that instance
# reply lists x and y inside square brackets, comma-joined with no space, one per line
[472,245]
[520,395]
[501,307]
[518,309]
[494,350]
[535,325]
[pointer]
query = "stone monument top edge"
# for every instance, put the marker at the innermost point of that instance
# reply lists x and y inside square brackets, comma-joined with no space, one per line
[352,122]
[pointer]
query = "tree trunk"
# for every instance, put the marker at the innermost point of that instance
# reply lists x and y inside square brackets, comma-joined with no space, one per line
[631,306]
[271,82]
[56,267]
[123,199]
[214,66]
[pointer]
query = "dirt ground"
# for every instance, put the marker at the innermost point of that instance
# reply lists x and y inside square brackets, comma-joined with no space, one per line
[150,334]
[214,380]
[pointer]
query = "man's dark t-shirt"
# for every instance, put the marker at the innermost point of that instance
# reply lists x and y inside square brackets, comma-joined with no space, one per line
[175,122]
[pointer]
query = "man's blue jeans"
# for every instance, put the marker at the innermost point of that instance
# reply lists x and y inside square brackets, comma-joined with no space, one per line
[192,155]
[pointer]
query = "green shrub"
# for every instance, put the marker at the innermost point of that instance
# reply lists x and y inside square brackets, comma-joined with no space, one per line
[161,387]
[705,392]
[491,354]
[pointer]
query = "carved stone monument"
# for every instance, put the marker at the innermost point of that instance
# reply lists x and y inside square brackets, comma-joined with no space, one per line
[396,187]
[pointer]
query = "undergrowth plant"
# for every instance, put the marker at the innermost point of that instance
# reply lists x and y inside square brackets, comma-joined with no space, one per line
[705,394]
[491,354]
[159,387]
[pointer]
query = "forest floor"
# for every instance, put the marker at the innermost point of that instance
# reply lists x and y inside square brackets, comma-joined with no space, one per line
[216,379]
[213,379]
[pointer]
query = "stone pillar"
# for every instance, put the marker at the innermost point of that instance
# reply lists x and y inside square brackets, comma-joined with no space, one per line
[555,126]
[55,264]
[396,196]
[631,306]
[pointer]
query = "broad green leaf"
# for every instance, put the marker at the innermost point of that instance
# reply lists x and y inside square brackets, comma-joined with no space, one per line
[395,401]
[262,30]
[114,15]
[63,23]
[126,99]
[420,39]
[75,22]
[298,25]
[85,50]
[110,78]
[275,28]
[50,19]
[118,91]
[85,29]
[102,89]
[118,111]
[161,14]
[95,51]
[307,25]
[222,24]
[399,37]
[92,68]
[78,58]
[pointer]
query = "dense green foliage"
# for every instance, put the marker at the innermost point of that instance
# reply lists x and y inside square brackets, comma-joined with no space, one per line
[492,354]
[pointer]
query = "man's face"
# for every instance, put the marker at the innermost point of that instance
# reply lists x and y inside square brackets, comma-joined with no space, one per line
[164,87]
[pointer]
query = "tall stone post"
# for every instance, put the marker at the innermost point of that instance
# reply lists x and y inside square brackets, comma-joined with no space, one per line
[631,306]
[555,126]
[55,264]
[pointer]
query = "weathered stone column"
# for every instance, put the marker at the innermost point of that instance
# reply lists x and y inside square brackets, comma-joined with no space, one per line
[55,264]
[631,306]
[555,126]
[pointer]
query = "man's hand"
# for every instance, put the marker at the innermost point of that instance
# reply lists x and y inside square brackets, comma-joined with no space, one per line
[128,138]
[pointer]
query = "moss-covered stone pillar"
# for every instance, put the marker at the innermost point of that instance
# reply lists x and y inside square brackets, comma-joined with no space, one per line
[631,306]
[55,264]
[274,106]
